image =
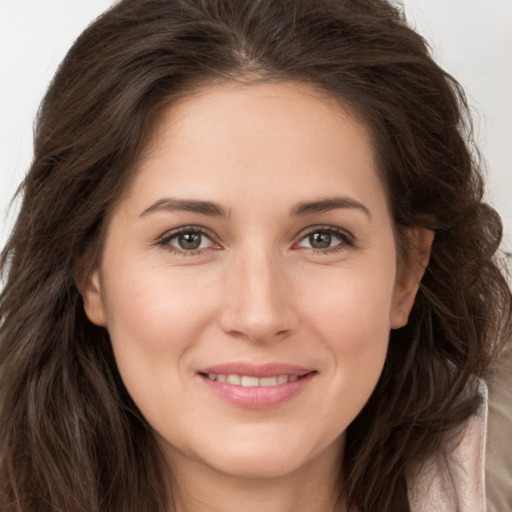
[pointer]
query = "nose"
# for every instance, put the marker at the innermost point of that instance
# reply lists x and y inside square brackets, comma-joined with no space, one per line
[257,304]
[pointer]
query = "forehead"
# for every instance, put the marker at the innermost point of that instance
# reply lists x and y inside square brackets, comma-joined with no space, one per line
[288,139]
[289,112]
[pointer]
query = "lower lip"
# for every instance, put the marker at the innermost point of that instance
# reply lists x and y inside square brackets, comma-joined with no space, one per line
[258,397]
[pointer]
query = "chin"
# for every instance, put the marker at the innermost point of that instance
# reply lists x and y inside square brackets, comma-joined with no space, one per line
[251,457]
[258,466]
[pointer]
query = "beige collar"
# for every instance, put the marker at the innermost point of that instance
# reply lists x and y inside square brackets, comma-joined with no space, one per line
[455,482]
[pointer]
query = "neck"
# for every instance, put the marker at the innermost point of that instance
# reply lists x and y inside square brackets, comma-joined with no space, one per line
[195,487]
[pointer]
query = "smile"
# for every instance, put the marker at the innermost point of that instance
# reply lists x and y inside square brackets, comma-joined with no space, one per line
[256,387]
[249,381]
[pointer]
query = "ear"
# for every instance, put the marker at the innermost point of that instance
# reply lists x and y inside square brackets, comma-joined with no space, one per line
[93,299]
[409,274]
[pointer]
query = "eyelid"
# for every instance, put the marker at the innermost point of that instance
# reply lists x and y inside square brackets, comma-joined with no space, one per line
[339,232]
[164,239]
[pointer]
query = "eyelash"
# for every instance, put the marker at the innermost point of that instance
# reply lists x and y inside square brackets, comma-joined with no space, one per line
[164,240]
[346,238]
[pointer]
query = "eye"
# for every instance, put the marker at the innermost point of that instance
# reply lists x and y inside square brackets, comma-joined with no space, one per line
[326,240]
[187,240]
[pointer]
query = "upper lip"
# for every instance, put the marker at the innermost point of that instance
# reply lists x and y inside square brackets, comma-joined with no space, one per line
[255,370]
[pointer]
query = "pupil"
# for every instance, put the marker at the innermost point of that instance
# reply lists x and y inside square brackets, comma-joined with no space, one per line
[189,241]
[320,240]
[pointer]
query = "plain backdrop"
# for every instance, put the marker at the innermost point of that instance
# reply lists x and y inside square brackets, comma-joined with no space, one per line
[472,39]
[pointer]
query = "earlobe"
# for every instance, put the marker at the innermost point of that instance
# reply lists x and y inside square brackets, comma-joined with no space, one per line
[410,274]
[93,300]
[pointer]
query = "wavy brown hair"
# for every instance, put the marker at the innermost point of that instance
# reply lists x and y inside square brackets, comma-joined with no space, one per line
[70,436]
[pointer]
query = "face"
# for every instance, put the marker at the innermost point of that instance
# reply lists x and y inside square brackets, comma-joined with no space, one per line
[249,279]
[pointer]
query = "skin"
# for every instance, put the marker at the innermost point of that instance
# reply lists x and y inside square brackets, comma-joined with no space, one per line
[256,290]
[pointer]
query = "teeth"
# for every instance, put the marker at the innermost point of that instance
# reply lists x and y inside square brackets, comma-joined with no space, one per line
[233,379]
[270,381]
[249,381]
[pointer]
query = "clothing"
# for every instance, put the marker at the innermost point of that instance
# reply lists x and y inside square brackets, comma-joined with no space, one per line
[455,482]
[498,465]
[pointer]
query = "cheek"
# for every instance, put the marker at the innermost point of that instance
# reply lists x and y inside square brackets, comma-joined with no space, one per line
[154,320]
[155,306]
[351,318]
[351,307]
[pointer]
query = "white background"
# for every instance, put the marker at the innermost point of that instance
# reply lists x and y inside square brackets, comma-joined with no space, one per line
[472,39]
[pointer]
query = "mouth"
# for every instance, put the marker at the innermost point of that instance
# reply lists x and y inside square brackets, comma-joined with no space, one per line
[250,381]
[256,387]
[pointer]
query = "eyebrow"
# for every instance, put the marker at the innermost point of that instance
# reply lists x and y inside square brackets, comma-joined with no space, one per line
[187,205]
[328,204]
[212,209]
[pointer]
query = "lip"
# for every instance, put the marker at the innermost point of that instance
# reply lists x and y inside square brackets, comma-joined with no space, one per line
[260,397]
[256,370]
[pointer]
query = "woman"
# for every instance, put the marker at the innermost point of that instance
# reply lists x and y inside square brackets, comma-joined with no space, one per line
[213,296]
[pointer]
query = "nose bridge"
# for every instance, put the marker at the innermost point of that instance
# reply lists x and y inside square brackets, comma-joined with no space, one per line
[257,297]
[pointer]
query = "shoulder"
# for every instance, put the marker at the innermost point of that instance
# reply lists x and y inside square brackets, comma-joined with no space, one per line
[454,480]
[498,467]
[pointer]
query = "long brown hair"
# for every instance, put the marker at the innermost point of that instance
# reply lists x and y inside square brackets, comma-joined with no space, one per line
[70,436]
